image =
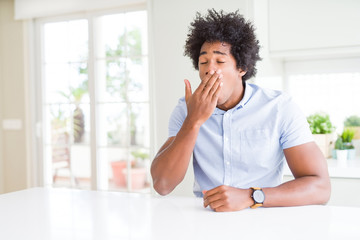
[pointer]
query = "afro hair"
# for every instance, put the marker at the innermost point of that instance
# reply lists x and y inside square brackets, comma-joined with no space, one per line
[229,28]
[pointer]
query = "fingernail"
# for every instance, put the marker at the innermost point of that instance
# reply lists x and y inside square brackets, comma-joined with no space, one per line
[218,71]
[220,76]
[212,72]
[204,191]
[221,84]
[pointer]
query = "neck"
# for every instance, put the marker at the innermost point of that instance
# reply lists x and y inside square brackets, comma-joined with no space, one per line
[235,100]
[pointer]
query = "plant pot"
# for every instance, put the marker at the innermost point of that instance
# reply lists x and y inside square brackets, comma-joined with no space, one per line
[324,142]
[356,144]
[351,154]
[118,173]
[333,153]
[138,177]
[341,156]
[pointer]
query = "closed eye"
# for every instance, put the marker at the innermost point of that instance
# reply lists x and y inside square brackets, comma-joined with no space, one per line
[203,63]
[220,62]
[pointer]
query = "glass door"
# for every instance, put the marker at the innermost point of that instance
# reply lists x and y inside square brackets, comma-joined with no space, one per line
[95,80]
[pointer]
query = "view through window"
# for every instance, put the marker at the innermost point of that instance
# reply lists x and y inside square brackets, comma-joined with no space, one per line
[117,109]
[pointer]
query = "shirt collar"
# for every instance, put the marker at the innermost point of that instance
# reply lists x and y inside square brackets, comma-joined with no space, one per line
[246,97]
[241,104]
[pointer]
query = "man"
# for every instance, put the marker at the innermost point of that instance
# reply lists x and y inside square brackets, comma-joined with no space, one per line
[237,132]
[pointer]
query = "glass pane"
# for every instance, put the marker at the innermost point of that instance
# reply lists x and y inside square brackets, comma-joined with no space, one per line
[113,124]
[138,86]
[136,30]
[115,160]
[66,41]
[122,34]
[126,170]
[113,82]
[139,124]
[111,37]
[78,91]
[57,117]
[67,110]
[65,83]
[71,166]
[56,83]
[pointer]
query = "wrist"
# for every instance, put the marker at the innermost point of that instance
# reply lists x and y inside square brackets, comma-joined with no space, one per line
[192,125]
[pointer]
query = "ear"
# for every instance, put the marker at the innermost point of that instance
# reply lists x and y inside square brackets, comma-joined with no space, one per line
[241,72]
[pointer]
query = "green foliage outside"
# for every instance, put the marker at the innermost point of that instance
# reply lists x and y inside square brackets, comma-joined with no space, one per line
[352,121]
[140,155]
[320,123]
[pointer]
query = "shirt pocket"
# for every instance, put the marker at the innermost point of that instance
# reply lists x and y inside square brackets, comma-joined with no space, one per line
[255,148]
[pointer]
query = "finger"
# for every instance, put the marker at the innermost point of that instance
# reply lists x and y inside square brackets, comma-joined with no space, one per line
[209,85]
[221,208]
[206,79]
[216,85]
[188,91]
[217,204]
[216,94]
[210,193]
[211,199]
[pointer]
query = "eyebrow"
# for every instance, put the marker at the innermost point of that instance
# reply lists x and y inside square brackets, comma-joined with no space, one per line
[216,52]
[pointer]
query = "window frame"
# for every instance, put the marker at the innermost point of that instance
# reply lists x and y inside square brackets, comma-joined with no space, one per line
[38,93]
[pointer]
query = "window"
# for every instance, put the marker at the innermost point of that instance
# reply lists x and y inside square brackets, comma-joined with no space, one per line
[95,101]
[333,93]
[329,86]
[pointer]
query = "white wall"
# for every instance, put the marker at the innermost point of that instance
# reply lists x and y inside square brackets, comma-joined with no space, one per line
[170,21]
[13,164]
[1,107]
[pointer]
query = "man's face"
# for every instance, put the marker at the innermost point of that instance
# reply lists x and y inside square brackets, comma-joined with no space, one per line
[215,56]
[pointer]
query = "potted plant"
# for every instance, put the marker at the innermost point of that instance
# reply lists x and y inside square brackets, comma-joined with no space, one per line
[347,137]
[322,129]
[341,152]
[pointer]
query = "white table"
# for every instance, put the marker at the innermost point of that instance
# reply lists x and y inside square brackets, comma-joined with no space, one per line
[46,214]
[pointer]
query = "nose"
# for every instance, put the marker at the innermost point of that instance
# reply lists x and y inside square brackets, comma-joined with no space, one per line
[210,68]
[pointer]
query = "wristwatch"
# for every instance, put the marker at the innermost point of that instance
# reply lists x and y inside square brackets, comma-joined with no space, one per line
[258,196]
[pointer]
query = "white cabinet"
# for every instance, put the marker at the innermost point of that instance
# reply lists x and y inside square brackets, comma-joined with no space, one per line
[321,26]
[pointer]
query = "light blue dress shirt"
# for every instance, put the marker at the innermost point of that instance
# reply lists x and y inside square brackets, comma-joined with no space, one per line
[243,147]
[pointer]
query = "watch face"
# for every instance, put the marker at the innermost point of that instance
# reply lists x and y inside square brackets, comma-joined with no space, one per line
[258,196]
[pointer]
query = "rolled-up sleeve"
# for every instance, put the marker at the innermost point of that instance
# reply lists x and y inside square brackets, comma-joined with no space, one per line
[294,126]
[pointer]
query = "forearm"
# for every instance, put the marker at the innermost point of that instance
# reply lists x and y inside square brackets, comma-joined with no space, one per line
[305,190]
[171,163]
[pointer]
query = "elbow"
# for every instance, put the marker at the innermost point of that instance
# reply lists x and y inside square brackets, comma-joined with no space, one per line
[162,188]
[325,189]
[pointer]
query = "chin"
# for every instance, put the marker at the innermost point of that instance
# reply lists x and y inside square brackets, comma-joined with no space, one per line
[220,102]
